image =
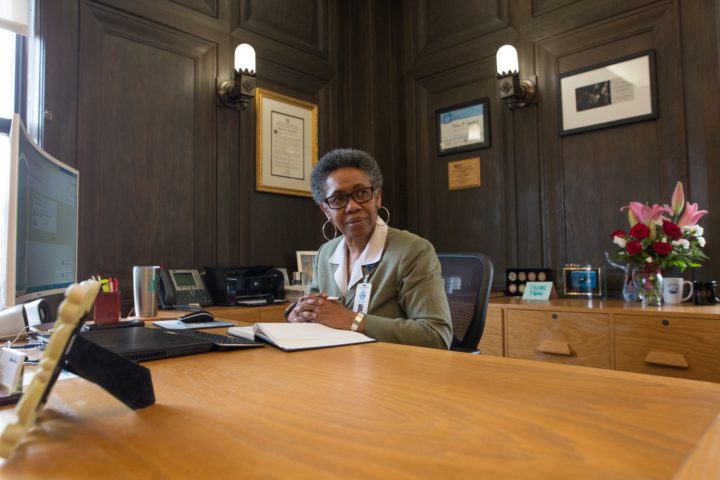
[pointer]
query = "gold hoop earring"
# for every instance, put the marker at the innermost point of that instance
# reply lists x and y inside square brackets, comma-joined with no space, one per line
[387,222]
[334,233]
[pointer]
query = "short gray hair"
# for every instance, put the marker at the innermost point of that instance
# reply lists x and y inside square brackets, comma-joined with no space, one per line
[342,158]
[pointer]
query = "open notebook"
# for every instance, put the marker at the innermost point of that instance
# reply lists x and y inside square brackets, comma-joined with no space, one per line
[300,336]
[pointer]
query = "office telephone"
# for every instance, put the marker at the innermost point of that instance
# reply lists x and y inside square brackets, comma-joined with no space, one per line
[178,288]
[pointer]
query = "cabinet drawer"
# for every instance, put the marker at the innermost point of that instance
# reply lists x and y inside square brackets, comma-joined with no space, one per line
[560,337]
[491,342]
[673,346]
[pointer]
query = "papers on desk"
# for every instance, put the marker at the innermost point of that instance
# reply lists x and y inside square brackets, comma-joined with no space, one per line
[180,325]
[300,336]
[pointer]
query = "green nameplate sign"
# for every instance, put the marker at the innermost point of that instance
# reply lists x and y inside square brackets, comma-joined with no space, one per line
[537,291]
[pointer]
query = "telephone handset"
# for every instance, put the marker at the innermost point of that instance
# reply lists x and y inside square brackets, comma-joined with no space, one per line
[182,287]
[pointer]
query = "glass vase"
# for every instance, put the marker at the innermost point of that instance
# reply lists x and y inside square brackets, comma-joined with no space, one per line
[629,290]
[649,282]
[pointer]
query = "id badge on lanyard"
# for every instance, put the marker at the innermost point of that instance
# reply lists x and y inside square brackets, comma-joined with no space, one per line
[362,293]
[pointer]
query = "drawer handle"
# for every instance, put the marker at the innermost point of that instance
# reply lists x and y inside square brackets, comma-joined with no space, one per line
[667,359]
[555,347]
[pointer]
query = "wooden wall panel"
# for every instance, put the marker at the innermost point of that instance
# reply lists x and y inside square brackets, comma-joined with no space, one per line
[146,146]
[302,24]
[442,23]
[209,7]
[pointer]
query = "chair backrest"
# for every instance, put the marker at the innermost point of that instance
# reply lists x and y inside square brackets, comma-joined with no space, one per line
[468,279]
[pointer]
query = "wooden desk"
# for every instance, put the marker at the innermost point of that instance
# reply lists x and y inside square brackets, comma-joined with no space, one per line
[375,411]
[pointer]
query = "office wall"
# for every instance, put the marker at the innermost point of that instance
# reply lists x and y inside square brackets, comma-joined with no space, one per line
[167,174]
[548,200]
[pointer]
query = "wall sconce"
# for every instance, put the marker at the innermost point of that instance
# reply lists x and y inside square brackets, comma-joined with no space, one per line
[514,92]
[238,92]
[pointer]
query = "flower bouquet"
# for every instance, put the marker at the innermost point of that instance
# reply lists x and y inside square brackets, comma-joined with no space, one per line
[660,237]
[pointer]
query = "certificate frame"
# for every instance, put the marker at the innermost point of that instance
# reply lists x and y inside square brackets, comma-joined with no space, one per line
[286,143]
[474,115]
[305,259]
[607,94]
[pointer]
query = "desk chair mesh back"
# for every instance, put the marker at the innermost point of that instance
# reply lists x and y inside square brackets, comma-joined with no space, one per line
[468,278]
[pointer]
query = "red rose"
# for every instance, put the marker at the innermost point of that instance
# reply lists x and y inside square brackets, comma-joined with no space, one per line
[640,231]
[618,233]
[662,248]
[633,247]
[672,230]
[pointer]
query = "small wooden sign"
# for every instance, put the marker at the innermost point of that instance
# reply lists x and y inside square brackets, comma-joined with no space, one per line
[464,174]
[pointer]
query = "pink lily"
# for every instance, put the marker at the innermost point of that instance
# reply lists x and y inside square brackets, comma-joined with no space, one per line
[645,214]
[632,219]
[691,215]
[678,199]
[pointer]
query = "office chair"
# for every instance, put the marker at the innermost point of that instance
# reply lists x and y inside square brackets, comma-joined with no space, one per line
[468,278]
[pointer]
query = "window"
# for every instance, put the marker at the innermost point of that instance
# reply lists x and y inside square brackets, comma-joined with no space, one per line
[11,47]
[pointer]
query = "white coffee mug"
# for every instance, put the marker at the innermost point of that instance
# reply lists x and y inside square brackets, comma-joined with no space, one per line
[673,290]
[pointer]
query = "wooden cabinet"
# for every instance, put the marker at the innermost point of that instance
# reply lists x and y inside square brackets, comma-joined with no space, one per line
[667,345]
[575,338]
[491,342]
[268,314]
[673,340]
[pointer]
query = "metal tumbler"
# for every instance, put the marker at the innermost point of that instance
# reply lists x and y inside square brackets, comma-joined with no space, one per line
[145,291]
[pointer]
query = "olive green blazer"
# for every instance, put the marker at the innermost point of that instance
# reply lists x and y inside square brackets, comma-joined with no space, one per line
[408,303]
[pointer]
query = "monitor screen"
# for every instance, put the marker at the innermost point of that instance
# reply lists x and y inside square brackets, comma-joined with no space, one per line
[42,227]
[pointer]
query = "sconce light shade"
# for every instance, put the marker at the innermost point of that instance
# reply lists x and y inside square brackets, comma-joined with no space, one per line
[514,92]
[238,92]
[507,60]
[245,58]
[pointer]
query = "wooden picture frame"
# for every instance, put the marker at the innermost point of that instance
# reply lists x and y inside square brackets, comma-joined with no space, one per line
[286,143]
[612,93]
[463,127]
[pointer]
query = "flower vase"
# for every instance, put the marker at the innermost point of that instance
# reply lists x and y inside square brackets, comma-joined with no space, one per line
[649,282]
[629,290]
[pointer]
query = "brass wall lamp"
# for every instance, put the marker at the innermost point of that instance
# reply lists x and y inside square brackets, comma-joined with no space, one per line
[239,91]
[514,92]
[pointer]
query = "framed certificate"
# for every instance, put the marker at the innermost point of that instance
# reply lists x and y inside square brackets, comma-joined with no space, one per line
[463,127]
[286,143]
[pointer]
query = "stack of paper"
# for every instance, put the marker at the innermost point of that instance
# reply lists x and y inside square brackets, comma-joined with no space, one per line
[300,336]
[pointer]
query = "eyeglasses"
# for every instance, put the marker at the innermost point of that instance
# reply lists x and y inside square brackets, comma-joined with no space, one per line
[340,200]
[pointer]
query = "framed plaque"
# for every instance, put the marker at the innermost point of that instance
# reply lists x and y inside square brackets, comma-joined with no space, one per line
[463,127]
[286,143]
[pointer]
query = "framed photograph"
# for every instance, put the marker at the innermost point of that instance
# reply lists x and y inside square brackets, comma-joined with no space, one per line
[305,263]
[608,94]
[463,127]
[286,143]
[583,281]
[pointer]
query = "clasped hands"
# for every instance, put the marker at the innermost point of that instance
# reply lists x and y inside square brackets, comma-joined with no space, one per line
[315,307]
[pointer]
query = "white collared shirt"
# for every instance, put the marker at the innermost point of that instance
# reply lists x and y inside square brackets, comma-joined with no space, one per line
[370,256]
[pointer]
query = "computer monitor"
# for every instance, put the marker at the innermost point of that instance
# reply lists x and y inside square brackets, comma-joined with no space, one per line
[42,228]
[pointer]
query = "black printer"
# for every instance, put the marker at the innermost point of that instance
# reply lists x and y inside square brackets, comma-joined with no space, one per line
[234,285]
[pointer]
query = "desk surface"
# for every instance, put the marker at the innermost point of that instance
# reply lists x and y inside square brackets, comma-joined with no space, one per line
[374,411]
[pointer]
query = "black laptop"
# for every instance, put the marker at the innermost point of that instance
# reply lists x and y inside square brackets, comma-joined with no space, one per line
[142,344]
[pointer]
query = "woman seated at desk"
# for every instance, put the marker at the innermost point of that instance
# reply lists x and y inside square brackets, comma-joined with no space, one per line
[387,281]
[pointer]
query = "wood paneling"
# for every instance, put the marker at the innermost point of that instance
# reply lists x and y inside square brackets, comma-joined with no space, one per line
[145,149]
[209,7]
[442,23]
[299,23]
